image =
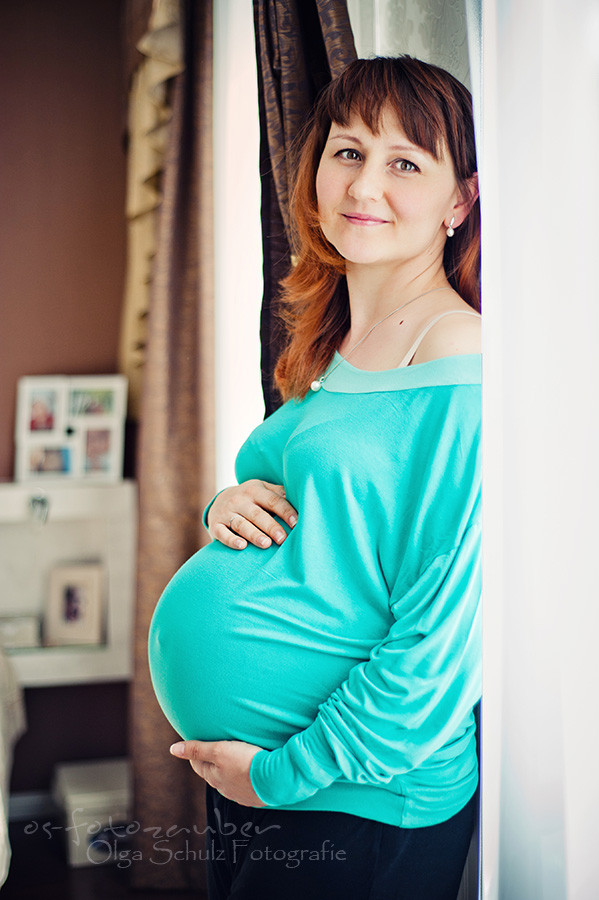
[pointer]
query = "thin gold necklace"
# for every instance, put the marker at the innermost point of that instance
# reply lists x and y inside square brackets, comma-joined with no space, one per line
[316,385]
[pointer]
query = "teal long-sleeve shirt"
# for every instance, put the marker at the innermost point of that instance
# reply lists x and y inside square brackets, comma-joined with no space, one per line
[358,639]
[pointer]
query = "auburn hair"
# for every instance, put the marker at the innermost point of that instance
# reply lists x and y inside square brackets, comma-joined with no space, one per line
[435,111]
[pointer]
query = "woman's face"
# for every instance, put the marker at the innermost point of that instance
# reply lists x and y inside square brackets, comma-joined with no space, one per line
[381,199]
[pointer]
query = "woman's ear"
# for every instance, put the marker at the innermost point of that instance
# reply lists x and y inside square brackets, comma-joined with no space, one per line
[467,199]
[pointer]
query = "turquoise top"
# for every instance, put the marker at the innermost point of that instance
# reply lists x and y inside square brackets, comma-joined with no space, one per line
[351,652]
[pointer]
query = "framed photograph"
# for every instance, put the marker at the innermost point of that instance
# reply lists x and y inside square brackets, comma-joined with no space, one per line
[98,451]
[46,459]
[70,428]
[41,407]
[97,397]
[74,612]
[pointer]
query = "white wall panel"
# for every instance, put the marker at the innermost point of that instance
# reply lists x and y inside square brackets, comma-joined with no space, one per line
[540,189]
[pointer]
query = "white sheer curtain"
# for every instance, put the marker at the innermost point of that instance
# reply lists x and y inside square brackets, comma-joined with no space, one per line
[432,30]
[540,200]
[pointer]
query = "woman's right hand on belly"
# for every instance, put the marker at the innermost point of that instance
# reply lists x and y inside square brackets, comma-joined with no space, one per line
[242,514]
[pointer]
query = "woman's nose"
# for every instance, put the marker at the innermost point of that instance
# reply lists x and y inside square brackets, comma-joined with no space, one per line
[366,184]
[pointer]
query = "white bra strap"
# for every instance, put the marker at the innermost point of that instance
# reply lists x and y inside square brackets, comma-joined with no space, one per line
[406,359]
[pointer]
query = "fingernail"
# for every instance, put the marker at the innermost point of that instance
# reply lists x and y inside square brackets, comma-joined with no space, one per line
[292,520]
[240,544]
[178,749]
[264,542]
[279,536]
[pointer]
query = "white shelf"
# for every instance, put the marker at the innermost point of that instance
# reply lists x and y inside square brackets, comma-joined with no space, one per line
[84,522]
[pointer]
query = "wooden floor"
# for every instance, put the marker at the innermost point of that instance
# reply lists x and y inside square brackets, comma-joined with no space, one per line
[39,869]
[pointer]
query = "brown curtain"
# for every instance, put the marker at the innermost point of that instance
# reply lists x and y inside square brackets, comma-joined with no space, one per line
[300,46]
[175,462]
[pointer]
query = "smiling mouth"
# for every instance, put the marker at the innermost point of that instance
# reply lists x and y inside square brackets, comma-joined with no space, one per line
[360,219]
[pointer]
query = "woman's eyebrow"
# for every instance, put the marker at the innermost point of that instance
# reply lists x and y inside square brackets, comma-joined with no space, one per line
[344,136]
[403,148]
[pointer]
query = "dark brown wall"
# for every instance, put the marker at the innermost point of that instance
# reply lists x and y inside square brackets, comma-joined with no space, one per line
[62,194]
[86,721]
[62,260]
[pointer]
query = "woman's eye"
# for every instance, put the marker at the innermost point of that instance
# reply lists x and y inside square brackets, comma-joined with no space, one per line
[351,155]
[404,165]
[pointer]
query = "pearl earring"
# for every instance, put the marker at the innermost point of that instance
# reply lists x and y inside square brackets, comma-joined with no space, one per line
[450,231]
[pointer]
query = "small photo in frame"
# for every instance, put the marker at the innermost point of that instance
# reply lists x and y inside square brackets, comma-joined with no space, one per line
[74,612]
[41,407]
[90,402]
[98,451]
[42,410]
[49,459]
[96,398]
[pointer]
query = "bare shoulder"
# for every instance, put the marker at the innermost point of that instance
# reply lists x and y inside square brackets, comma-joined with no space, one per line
[450,336]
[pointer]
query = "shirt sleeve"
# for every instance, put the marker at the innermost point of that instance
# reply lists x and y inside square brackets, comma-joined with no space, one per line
[403,704]
[260,456]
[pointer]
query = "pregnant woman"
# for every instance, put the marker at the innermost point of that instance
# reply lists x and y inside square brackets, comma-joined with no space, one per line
[321,657]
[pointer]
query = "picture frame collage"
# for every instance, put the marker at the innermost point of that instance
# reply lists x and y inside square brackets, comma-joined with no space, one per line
[70,428]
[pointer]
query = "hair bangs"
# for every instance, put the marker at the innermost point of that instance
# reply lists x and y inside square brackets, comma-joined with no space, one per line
[370,89]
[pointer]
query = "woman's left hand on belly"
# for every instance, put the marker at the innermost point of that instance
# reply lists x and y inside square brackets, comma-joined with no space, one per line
[225,765]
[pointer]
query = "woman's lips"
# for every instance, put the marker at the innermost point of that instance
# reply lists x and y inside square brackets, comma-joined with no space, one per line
[361,219]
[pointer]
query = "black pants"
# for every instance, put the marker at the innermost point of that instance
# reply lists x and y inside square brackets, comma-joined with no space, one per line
[271,854]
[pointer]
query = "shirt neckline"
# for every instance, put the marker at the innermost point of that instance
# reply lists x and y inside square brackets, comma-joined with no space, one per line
[462,368]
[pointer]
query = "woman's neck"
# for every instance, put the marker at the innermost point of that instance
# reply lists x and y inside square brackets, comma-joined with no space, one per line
[374,293]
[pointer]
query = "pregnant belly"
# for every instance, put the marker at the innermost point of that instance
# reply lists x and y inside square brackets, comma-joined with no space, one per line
[237,651]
